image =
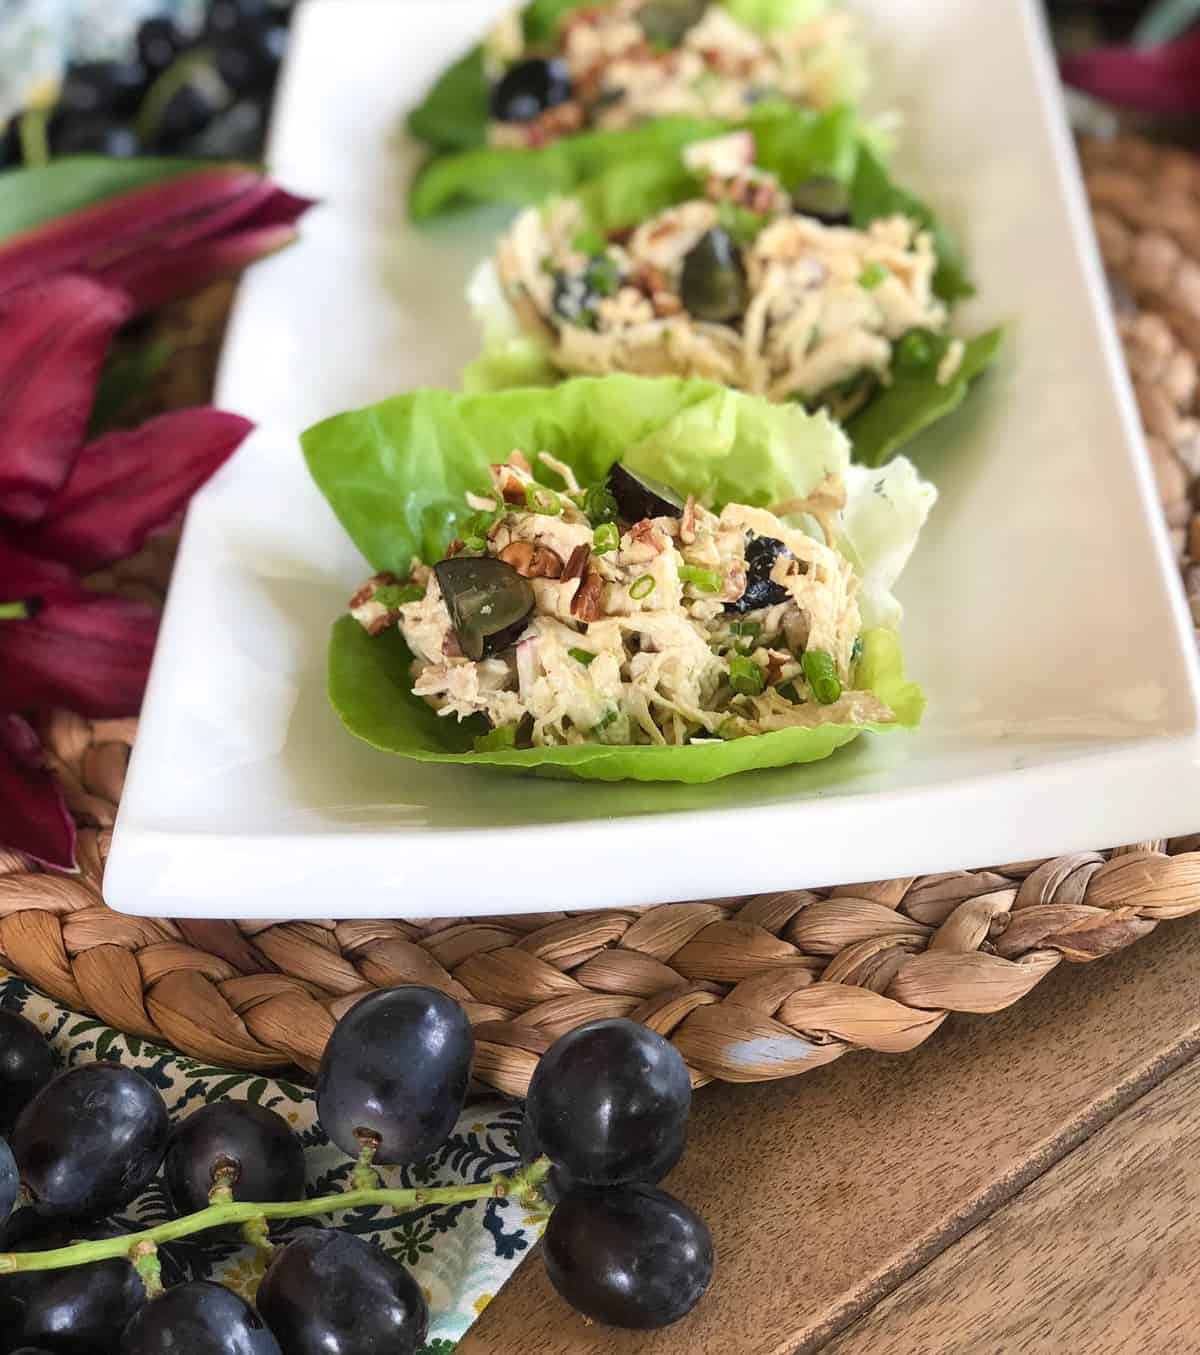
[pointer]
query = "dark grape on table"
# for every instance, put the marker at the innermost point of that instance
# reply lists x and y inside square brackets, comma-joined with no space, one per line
[91,1140]
[255,1144]
[26,1065]
[396,1070]
[331,1293]
[198,1318]
[609,1102]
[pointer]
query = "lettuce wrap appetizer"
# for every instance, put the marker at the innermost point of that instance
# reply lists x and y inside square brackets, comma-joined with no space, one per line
[560,90]
[616,578]
[754,266]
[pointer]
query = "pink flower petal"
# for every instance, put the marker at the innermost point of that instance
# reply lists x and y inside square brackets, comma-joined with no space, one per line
[23,576]
[1164,79]
[87,651]
[83,241]
[53,338]
[128,484]
[155,276]
[33,814]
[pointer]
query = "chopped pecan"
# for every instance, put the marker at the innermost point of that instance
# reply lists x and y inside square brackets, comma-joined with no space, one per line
[518,458]
[453,549]
[588,602]
[367,591]
[532,560]
[577,562]
[647,533]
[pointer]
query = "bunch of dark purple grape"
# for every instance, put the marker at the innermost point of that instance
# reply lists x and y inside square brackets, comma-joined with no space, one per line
[203,94]
[608,1106]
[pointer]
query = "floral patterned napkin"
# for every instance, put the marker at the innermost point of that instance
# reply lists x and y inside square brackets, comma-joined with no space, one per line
[460,1254]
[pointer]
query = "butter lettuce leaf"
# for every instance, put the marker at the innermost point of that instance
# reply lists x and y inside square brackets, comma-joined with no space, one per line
[395,475]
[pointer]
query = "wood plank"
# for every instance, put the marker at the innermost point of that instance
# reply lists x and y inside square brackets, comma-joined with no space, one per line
[826,1191]
[1102,1254]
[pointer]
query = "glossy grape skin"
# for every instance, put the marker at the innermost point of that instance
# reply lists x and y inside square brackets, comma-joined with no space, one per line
[256,1141]
[81,1311]
[159,43]
[10,1181]
[26,1065]
[609,1101]
[396,1066]
[90,1140]
[632,1256]
[332,1293]
[200,1318]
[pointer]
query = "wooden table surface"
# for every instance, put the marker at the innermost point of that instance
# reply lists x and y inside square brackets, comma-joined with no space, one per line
[1025,1182]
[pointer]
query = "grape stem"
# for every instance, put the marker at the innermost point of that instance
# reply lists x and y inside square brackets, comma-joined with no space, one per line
[523,1186]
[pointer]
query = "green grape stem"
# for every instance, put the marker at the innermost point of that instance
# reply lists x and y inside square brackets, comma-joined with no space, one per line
[523,1186]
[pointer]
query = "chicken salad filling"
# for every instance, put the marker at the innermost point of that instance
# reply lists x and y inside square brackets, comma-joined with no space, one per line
[619,64]
[771,292]
[625,613]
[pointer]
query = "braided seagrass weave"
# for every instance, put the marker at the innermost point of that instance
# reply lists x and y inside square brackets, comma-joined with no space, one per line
[748,989]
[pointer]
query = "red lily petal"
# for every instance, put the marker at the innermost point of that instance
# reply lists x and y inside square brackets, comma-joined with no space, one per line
[154,277]
[83,241]
[1164,79]
[33,814]
[279,208]
[128,484]
[24,576]
[87,651]
[53,338]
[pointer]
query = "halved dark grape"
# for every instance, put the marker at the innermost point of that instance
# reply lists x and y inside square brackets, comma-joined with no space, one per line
[666,21]
[712,284]
[640,496]
[761,590]
[199,1318]
[631,1257]
[256,1143]
[80,1311]
[609,1101]
[824,198]
[332,1293]
[90,1140]
[396,1069]
[526,90]
[10,1181]
[488,601]
[26,1065]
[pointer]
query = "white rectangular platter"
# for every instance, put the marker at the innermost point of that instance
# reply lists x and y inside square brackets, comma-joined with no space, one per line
[1043,616]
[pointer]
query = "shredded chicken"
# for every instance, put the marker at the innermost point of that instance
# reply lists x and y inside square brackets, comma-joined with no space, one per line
[694,625]
[621,75]
[824,304]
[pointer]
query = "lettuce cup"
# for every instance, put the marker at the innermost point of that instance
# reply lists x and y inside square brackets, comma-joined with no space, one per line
[558,91]
[616,578]
[779,260]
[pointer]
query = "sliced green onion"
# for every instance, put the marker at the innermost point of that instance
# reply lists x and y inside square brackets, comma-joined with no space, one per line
[745,676]
[600,505]
[608,718]
[392,595]
[706,580]
[914,351]
[641,587]
[583,656]
[872,275]
[740,223]
[821,675]
[474,545]
[539,499]
[750,629]
[602,276]
[605,538]
[503,736]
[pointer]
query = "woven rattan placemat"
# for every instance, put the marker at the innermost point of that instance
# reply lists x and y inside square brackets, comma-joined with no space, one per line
[748,989]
